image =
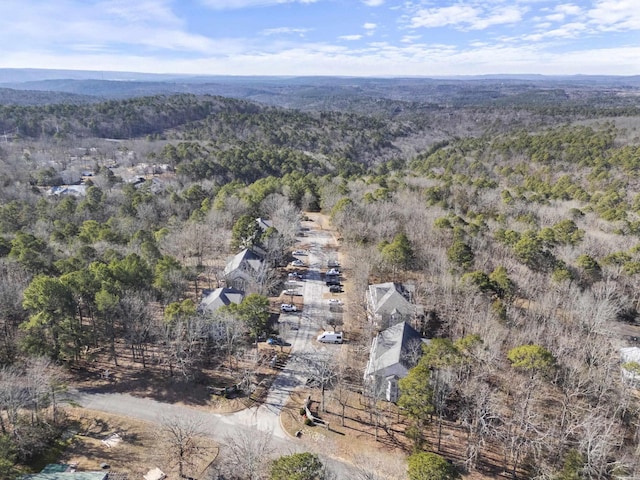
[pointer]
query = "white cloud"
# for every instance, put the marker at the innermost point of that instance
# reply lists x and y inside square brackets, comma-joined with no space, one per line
[410,38]
[379,59]
[106,25]
[568,9]
[285,31]
[615,15]
[500,16]
[569,30]
[467,17]
[561,12]
[373,3]
[236,4]
[148,36]
[142,11]
[441,17]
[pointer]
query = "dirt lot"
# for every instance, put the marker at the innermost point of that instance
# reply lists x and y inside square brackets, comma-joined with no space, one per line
[101,375]
[139,449]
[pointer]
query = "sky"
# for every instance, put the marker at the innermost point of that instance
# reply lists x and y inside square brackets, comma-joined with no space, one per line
[381,38]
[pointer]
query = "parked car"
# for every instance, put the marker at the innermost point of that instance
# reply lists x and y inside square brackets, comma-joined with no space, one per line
[295,276]
[335,301]
[297,263]
[333,271]
[287,307]
[300,252]
[275,341]
[330,337]
[332,281]
[335,288]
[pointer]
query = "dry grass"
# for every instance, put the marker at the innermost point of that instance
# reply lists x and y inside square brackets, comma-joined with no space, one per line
[357,441]
[140,450]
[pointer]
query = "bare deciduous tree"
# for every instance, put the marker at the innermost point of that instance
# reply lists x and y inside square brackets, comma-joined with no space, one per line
[248,455]
[138,323]
[321,367]
[226,332]
[183,442]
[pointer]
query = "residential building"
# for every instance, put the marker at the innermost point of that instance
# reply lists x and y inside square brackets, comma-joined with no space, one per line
[244,270]
[212,300]
[389,303]
[394,351]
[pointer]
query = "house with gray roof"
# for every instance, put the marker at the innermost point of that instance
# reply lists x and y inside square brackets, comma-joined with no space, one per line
[244,270]
[212,300]
[264,224]
[388,304]
[394,351]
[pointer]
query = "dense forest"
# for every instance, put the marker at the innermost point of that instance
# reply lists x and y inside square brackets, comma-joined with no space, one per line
[516,219]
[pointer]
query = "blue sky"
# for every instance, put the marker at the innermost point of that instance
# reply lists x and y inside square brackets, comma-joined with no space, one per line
[324,37]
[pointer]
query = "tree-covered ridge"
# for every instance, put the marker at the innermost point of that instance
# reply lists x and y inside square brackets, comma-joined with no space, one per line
[115,118]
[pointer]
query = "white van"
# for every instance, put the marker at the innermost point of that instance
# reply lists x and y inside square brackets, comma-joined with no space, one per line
[330,337]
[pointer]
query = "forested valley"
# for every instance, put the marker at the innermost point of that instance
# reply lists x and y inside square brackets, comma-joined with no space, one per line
[517,221]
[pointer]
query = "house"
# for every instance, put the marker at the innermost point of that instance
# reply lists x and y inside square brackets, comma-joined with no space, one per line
[244,269]
[394,352]
[68,190]
[212,300]
[388,304]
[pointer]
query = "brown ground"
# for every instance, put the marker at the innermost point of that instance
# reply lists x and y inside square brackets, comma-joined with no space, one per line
[358,441]
[154,381]
[139,451]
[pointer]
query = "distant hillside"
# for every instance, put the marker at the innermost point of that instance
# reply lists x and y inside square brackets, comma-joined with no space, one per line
[9,96]
[359,95]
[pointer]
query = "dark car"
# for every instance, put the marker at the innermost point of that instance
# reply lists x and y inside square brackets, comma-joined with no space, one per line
[335,288]
[275,341]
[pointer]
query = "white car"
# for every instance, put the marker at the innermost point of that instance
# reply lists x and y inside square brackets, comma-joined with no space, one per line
[335,301]
[297,263]
[333,271]
[287,307]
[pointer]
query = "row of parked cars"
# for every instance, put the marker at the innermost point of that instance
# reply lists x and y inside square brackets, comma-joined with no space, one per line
[332,279]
